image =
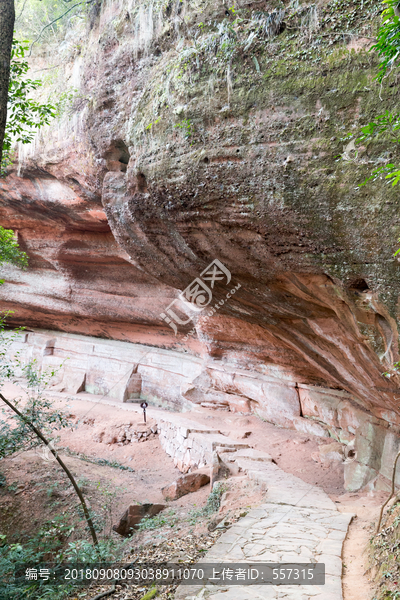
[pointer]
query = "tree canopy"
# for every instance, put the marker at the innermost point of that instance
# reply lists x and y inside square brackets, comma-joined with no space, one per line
[386,125]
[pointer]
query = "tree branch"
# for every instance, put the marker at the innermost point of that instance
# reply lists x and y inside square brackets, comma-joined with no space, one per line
[63,466]
[391,494]
[55,20]
[109,592]
[22,10]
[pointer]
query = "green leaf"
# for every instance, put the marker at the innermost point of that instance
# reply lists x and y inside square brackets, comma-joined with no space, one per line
[24,115]
[9,249]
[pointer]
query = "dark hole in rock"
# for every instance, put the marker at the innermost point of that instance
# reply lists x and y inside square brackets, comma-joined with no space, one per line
[141,182]
[360,285]
[206,160]
[282,28]
[49,348]
[117,156]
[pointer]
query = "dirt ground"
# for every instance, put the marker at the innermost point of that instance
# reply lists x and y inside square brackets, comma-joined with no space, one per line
[357,584]
[36,488]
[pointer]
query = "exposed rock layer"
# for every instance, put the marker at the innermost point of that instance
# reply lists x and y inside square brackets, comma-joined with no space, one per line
[154,178]
[168,378]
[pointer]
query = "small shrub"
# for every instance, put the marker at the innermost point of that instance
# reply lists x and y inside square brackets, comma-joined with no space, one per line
[163,519]
[48,546]
[212,505]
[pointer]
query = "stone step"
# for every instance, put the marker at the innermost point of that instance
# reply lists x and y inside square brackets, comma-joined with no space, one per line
[253,454]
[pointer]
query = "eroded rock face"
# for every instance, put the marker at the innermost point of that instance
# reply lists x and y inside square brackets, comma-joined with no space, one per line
[155,177]
[86,365]
[79,279]
[133,515]
[185,484]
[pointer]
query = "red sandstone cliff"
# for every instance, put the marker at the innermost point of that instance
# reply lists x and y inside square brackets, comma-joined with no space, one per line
[127,200]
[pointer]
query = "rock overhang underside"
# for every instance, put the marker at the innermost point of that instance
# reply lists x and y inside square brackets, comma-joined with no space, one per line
[176,152]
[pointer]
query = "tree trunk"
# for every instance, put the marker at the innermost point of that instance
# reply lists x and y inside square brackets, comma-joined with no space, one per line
[7,17]
[62,465]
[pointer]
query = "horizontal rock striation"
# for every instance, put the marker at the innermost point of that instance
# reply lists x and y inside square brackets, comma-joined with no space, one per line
[89,367]
[195,203]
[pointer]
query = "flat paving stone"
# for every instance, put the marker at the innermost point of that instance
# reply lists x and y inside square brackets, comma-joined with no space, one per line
[297,523]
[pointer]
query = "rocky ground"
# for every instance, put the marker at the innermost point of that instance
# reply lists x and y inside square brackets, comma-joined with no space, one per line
[116,472]
[384,565]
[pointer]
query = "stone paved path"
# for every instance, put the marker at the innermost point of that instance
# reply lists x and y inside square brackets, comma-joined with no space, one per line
[298,523]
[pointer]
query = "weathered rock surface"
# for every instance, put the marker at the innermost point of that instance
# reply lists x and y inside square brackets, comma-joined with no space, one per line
[219,469]
[193,446]
[133,515]
[159,173]
[252,454]
[186,484]
[126,434]
[105,367]
[331,453]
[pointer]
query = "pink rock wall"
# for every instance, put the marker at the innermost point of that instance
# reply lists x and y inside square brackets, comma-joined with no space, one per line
[119,212]
[130,372]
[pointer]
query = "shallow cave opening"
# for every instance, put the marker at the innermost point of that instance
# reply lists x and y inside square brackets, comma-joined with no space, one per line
[117,156]
[141,183]
[359,285]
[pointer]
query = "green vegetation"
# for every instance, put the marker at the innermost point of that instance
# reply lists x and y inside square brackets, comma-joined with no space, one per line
[15,433]
[170,519]
[385,556]
[212,505]
[186,126]
[150,594]
[9,249]
[100,461]
[25,116]
[49,544]
[384,127]
[166,518]
[46,20]
[24,428]
[388,39]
